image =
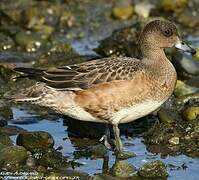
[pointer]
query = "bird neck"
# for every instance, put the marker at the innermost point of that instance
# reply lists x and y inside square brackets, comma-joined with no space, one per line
[153,53]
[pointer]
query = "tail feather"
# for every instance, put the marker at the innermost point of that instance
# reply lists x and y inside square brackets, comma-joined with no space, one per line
[31,94]
[31,73]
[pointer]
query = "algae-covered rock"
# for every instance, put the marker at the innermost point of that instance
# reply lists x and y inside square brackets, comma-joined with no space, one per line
[3,122]
[183,89]
[6,42]
[5,109]
[59,44]
[176,6]
[188,20]
[53,159]
[123,12]
[197,54]
[5,139]
[30,41]
[123,169]
[165,116]
[155,169]
[122,42]
[13,155]
[2,146]
[35,140]
[191,113]
[98,151]
[11,130]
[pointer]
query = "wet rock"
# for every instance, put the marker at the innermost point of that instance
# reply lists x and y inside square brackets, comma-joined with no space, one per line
[5,111]
[143,9]
[45,30]
[187,19]
[191,113]
[35,140]
[6,42]
[123,170]
[30,41]
[122,42]
[53,159]
[123,12]
[165,116]
[13,156]
[196,56]
[2,146]
[183,89]
[11,130]
[12,15]
[5,139]
[67,19]
[186,98]
[98,151]
[155,169]
[3,122]
[161,133]
[176,6]
[59,44]
[194,81]
[186,65]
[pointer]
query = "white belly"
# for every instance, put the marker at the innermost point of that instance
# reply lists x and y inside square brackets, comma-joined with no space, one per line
[137,111]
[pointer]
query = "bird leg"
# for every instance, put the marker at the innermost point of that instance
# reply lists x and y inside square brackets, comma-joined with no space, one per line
[118,141]
[106,138]
[121,154]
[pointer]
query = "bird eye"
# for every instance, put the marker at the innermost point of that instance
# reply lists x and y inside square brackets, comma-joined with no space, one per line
[167,32]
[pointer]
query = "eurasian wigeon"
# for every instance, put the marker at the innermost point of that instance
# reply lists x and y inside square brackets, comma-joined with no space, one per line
[111,90]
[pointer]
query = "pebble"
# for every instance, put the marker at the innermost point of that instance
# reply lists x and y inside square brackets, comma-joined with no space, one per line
[174,141]
[123,12]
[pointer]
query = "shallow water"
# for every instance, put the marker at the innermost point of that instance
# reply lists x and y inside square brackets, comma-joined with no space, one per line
[59,132]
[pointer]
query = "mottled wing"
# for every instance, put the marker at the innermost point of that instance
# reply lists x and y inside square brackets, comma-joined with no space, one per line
[85,75]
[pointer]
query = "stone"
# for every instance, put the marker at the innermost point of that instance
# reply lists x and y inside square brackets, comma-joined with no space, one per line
[123,169]
[196,56]
[5,139]
[53,159]
[176,6]
[13,155]
[11,130]
[35,140]
[154,169]
[143,9]
[191,113]
[123,12]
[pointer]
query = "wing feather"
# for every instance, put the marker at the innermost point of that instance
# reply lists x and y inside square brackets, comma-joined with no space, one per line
[88,74]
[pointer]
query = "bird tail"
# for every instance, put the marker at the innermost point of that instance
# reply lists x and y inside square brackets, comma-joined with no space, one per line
[30,73]
[32,94]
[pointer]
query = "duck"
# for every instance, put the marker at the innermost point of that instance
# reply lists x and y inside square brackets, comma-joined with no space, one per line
[112,90]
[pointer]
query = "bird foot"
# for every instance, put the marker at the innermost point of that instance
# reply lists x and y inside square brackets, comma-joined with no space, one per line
[125,155]
[105,141]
